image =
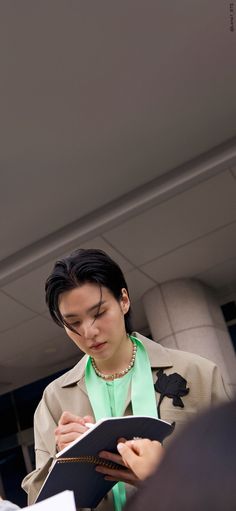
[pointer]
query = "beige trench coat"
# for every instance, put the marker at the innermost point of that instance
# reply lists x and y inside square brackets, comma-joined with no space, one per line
[68,392]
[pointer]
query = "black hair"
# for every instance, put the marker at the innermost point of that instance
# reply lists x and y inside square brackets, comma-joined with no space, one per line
[80,267]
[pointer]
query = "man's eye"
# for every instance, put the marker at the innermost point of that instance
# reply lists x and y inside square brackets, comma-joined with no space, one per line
[76,323]
[99,314]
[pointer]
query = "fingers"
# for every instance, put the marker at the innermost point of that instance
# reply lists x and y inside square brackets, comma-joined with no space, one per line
[141,445]
[73,427]
[63,441]
[69,428]
[141,456]
[67,418]
[128,455]
[111,474]
[121,439]
[89,418]
[116,458]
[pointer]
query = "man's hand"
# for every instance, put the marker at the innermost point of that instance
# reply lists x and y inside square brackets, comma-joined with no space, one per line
[69,428]
[141,456]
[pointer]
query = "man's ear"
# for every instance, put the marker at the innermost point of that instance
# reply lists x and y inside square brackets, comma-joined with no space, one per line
[124,301]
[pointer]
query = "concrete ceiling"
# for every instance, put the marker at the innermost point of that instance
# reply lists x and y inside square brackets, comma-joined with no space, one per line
[117,131]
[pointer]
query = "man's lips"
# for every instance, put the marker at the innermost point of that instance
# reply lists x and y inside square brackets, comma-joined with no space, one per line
[97,346]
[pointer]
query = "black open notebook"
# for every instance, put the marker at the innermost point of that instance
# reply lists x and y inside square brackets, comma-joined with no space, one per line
[74,466]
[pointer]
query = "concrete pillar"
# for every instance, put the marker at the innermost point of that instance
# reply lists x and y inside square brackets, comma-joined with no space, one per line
[184,314]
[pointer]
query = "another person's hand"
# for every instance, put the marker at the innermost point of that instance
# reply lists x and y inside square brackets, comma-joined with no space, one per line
[69,428]
[112,474]
[141,456]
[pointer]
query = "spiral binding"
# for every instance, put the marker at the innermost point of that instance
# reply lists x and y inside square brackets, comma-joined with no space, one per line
[95,460]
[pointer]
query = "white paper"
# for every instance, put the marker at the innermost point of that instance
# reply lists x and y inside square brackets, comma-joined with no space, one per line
[59,502]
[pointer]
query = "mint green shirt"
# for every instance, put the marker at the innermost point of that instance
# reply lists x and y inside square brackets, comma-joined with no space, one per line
[118,391]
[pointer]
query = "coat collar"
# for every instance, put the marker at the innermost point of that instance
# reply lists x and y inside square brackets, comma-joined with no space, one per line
[75,374]
[158,356]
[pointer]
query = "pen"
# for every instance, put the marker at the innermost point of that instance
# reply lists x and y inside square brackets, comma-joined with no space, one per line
[89,424]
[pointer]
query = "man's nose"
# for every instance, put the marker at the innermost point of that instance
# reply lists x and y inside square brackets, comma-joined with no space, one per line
[88,329]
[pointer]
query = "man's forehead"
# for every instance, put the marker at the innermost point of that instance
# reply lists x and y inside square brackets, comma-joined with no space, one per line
[93,308]
[82,299]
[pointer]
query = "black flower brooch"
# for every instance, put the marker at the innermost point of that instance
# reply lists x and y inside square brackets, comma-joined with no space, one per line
[173,386]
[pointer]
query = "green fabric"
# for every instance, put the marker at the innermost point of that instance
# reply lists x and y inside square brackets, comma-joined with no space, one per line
[143,397]
[119,496]
[108,398]
[118,391]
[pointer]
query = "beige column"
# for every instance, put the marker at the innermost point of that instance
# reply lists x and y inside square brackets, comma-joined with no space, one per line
[184,314]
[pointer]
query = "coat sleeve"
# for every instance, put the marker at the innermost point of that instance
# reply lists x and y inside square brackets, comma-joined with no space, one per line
[46,419]
[220,391]
[45,449]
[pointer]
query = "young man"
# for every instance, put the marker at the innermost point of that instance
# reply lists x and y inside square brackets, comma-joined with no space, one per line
[122,372]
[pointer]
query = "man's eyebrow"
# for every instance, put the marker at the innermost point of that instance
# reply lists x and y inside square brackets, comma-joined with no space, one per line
[96,306]
[91,309]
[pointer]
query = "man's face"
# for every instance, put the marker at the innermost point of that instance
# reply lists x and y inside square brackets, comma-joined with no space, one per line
[98,317]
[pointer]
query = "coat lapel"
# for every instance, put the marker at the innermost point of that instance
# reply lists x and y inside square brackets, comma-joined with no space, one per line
[158,356]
